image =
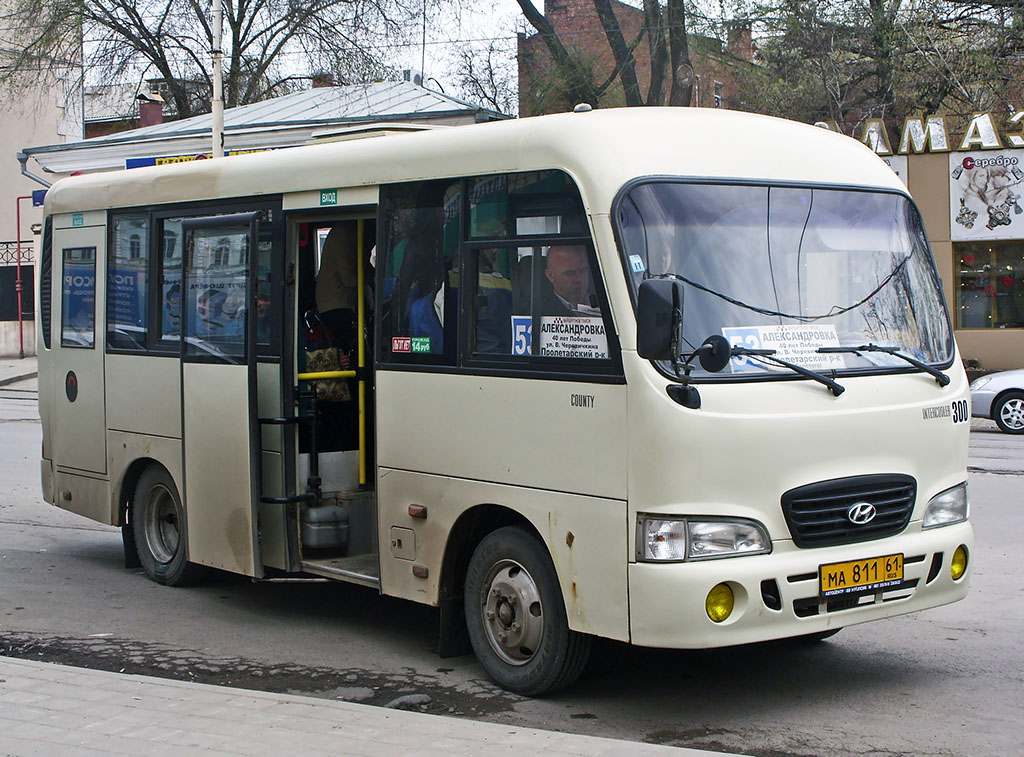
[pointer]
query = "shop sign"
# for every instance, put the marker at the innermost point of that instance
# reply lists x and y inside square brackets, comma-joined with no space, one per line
[931,134]
[985,191]
[898,163]
[166,160]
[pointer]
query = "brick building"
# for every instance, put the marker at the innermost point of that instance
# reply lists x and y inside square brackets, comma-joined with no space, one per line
[715,65]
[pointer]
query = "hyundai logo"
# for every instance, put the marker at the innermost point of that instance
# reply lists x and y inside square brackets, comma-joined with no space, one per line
[861,513]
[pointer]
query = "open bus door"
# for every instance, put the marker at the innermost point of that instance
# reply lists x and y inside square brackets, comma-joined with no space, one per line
[218,393]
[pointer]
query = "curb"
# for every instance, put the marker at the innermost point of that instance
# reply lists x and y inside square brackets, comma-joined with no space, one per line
[16,379]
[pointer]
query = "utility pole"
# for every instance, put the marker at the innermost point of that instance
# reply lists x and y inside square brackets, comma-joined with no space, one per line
[217,106]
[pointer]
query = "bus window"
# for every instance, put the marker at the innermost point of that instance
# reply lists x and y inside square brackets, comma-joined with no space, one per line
[522,204]
[551,289]
[215,301]
[169,307]
[46,280]
[419,274]
[492,311]
[127,279]
[78,298]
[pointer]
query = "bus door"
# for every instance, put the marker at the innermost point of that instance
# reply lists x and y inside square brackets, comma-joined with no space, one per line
[79,423]
[218,392]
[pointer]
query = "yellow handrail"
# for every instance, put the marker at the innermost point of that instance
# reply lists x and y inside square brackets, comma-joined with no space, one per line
[320,375]
[361,341]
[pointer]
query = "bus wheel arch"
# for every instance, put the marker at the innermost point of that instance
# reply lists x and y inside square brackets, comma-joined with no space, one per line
[157,523]
[513,606]
[467,531]
[126,492]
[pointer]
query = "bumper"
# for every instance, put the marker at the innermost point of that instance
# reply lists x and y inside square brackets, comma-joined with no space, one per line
[981,403]
[46,480]
[667,601]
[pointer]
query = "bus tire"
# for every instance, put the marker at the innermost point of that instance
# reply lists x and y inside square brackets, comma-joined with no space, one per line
[159,526]
[516,618]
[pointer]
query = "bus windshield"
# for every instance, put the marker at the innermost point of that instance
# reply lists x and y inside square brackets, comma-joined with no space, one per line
[791,269]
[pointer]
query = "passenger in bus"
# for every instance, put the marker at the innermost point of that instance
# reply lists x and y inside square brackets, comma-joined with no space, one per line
[336,288]
[567,270]
[494,303]
[419,291]
[660,260]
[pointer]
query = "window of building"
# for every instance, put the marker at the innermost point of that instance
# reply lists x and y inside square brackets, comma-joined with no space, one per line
[990,285]
[78,298]
[719,98]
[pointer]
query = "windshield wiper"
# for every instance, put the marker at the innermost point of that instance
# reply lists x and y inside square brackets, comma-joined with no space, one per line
[940,378]
[769,355]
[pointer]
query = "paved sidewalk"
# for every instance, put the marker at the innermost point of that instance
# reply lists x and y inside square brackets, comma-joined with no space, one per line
[54,709]
[13,370]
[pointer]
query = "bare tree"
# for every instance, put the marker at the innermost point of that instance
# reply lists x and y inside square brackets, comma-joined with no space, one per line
[848,61]
[487,77]
[662,27]
[268,44]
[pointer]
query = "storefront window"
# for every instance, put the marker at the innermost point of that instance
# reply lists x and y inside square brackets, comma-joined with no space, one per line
[990,285]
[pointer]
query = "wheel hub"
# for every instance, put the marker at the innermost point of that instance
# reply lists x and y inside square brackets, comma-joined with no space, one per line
[513,614]
[1012,413]
[161,522]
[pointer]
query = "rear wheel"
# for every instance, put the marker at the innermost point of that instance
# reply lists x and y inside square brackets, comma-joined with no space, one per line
[158,522]
[516,616]
[1008,413]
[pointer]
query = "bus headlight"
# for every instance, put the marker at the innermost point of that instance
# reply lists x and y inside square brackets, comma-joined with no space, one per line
[950,506]
[662,540]
[678,539]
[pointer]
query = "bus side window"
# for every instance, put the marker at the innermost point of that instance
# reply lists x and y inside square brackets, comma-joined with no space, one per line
[549,290]
[169,275]
[46,281]
[127,282]
[78,298]
[493,305]
[418,273]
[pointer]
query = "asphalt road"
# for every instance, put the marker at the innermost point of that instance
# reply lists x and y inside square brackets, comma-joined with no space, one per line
[944,682]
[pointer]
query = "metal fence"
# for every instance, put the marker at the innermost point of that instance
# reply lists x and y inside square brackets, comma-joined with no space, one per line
[9,252]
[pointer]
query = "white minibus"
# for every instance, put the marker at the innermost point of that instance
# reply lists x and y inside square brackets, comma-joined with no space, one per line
[681,378]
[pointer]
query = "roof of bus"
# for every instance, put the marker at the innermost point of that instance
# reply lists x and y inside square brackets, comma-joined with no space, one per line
[602,149]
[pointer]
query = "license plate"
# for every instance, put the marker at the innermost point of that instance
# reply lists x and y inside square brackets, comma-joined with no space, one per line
[860,576]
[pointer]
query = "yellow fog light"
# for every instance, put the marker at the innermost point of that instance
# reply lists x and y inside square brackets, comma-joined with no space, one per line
[719,603]
[958,566]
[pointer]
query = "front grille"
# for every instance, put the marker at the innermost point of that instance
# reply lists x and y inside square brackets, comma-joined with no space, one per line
[811,606]
[817,513]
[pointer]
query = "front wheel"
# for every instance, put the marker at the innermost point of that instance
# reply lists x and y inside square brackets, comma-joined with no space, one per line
[516,616]
[1009,413]
[158,522]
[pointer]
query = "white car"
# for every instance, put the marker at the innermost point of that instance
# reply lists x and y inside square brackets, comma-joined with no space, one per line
[1000,396]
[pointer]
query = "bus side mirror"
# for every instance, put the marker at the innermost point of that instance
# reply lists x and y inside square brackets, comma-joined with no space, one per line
[659,313]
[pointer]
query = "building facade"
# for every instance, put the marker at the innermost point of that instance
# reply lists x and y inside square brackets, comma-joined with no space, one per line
[969,187]
[41,109]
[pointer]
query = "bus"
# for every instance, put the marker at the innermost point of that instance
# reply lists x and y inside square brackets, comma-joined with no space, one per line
[681,378]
